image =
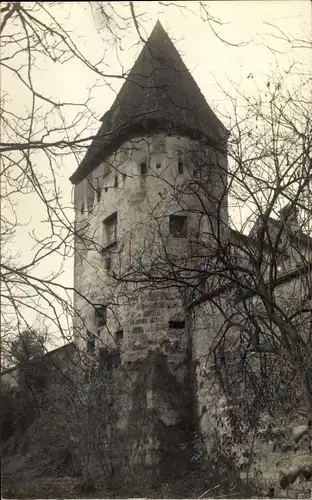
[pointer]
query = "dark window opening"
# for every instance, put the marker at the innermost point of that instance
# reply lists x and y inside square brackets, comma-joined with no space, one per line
[119,335]
[108,263]
[124,176]
[180,167]
[106,189]
[100,315]
[178,225]
[110,225]
[158,165]
[98,194]
[82,209]
[143,168]
[177,324]
[91,344]
[195,173]
[108,359]
[116,181]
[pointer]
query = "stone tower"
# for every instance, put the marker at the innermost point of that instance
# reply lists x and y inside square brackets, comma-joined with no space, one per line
[149,192]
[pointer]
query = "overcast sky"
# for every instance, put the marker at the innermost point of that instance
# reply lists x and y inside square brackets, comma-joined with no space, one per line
[215,65]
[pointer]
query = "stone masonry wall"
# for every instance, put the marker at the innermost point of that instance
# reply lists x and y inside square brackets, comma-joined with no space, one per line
[151,385]
[269,454]
[143,204]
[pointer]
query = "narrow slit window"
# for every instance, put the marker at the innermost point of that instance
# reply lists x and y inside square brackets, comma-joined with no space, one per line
[116,181]
[91,344]
[98,194]
[110,229]
[100,315]
[82,209]
[108,262]
[178,225]
[180,167]
[119,335]
[143,168]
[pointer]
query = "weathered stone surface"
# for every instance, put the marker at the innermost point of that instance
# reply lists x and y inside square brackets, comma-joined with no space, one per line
[165,388]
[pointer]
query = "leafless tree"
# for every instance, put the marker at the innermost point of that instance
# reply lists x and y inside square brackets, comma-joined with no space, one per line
[40,136]
[269,150]
[252,286]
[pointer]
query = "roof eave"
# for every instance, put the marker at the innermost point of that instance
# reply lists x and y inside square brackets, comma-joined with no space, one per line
[147,127]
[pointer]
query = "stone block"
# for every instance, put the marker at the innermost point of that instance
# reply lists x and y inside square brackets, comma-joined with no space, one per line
[138,329]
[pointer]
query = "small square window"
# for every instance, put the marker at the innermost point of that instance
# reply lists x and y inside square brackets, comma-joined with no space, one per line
[143,168]
[100,315]
[158,165]
[110,226]
[178,225]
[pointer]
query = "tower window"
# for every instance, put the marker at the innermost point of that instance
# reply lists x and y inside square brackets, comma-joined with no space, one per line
[180,167]
[91,344]
[110,226]
[177,324]
[100,315]
[82,209]
[119,335]
[143,168]
[178,225]
[116,181]
[108,262]
[158,165]
[98,194]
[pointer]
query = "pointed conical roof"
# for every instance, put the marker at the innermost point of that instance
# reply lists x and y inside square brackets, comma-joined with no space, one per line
[159,93]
